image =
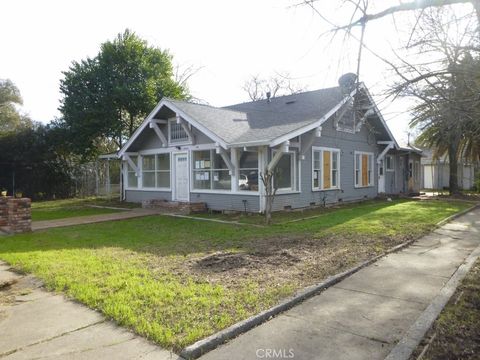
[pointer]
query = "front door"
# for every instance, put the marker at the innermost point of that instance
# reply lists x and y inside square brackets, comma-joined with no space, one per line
[181,177]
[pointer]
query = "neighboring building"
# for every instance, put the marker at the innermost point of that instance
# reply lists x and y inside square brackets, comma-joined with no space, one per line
[323,150]
[436,172]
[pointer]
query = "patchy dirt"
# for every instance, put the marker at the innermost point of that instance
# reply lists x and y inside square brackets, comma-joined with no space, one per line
[456,332]
[288,260]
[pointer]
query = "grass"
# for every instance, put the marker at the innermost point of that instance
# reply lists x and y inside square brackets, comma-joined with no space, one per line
[457,329]
[65,208]
[177,280]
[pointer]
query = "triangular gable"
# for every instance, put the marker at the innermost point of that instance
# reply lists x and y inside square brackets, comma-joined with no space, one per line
[166,102]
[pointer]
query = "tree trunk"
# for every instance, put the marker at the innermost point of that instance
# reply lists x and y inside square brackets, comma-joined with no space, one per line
[453,173]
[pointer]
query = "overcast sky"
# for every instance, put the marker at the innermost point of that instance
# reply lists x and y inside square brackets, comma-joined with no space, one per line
[229,40]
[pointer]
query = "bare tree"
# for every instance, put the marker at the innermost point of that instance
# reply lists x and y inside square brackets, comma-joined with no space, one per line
[277,85]
[270,192]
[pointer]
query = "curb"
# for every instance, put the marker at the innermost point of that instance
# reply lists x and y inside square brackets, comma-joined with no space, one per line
[205,345]
[454,216]
[407,345]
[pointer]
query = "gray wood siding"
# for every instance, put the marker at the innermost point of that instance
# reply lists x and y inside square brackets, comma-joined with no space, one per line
[137,196]
[227,201]
[347,143]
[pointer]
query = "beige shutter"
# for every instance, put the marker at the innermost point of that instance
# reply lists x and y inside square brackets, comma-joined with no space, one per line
[326,170]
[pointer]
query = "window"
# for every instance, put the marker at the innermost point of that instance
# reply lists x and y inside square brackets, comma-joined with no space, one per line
[132,180]
[389,163]
[156,171]
[210,171]
[363,169]
[326,163]
[177,132]
[248,171]
[284,173]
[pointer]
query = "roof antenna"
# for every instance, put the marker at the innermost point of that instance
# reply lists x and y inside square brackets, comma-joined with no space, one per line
[269,95]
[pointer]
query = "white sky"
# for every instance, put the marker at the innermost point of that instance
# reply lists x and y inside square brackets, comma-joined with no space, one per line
[230,40]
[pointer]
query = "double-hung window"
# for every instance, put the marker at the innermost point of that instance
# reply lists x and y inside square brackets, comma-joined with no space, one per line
[210,171]
[363,169]
[325,168]
[156,171]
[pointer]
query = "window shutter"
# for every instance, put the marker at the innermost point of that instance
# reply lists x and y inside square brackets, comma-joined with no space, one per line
[364,170]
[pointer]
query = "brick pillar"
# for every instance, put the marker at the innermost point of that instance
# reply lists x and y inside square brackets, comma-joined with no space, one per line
[19,215]
[3,211]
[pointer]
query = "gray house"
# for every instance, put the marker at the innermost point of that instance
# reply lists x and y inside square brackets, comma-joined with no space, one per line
[325,146]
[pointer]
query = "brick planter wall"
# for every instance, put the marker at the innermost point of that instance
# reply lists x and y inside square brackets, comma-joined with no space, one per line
[16,214]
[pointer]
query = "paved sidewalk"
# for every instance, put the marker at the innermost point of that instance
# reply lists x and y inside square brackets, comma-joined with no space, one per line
[365,315]
[36,324]
[80,220]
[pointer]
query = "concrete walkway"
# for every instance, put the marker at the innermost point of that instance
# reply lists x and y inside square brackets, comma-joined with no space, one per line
[36,324]
[80,220]
[365,315]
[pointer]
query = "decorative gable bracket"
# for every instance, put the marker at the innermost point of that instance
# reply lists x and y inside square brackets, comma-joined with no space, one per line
[154,125]
[282,149]
[130,162]
[226,158]
[363,120]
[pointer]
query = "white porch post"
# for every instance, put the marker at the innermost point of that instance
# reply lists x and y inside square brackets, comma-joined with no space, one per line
[262,166]
[380,164]
[236,172]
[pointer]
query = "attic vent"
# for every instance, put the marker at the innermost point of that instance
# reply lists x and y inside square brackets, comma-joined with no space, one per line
[290,102]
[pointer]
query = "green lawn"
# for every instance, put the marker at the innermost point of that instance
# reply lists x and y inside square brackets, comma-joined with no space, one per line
[65,208]
[178,280]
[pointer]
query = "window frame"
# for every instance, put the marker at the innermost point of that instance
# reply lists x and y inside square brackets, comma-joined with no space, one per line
[140,178]
[321,149]
[174,142]
[293,188]
[240,169]
[129,170]
[392,163]
[370,172]
[211,171]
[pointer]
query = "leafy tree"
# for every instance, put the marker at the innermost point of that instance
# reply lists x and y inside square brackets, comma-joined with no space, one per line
[32,160]
[10,118]
[106,97]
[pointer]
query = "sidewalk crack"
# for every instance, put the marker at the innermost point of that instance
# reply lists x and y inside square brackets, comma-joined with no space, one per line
[51,338]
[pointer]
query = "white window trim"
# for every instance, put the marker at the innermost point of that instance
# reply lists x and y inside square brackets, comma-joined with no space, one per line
[320,182]
[140,178]
[293,189]
[392,162]
[127,167]
[372,178]
[211,170]
[187,141]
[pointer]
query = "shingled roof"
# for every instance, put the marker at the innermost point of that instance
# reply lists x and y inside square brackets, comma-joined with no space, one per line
[263,120]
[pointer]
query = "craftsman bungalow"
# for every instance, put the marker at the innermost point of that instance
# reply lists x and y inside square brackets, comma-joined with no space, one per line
[324,146]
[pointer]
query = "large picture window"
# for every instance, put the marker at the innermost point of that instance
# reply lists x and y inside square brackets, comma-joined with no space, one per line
[156,171]
[363,169]
[248,171]
[132,180]
[325,169]
[284,173]
[210,171]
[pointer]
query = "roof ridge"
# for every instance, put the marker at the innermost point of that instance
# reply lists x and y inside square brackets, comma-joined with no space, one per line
[204,105]
[281,96]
